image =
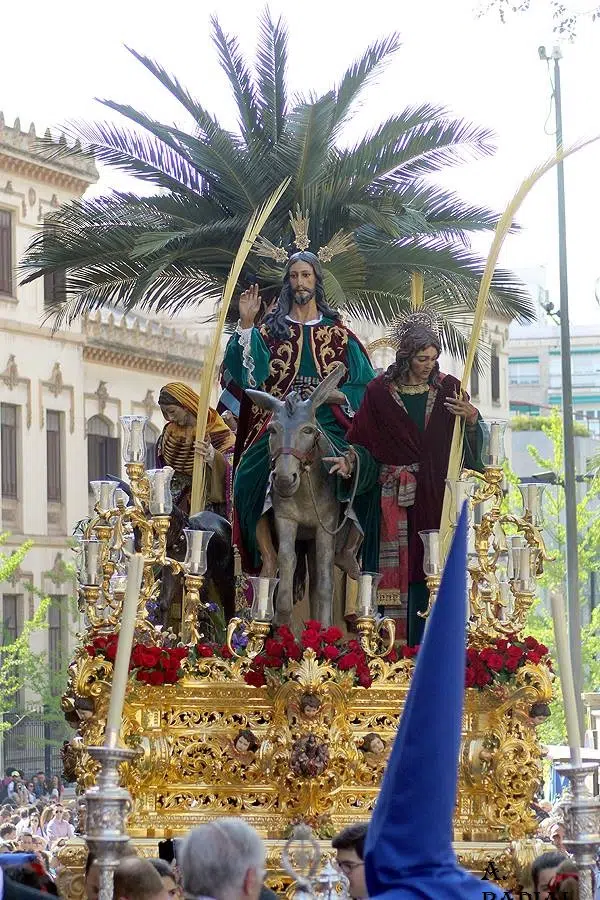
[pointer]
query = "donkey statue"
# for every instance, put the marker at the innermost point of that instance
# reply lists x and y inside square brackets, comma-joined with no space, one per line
[304,502]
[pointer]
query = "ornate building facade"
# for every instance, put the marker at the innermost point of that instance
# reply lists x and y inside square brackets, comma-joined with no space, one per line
[61,395]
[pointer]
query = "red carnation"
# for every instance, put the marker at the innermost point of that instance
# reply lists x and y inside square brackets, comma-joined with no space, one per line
[392,655]
[469,677]
[348,661]
[273,662]
[226,652]
[512,663]
[482,678]
[255,678]
[293,651]
[332,634]
[501,644]
[542,649]
[273,648]
[331,652]
[311,640]
[312,625]
[365,680]
[515,652]
[495,662]
[531,643]
[156,677]
[111,649]
[204,650]
[285,633]
[354,644]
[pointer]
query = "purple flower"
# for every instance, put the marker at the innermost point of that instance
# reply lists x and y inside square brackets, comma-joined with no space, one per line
[239,641]
[212,607]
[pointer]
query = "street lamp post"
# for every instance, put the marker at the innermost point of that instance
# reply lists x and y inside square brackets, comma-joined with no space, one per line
[572,579]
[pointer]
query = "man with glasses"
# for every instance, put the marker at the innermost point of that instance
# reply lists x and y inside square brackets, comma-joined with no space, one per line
[349,846]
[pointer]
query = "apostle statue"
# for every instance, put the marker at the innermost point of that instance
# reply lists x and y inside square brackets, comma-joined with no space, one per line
[406,422]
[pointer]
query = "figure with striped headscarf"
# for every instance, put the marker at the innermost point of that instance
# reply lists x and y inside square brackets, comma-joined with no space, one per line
[177,447]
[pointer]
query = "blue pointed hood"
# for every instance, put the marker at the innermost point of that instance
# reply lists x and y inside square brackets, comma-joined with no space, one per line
[408,850]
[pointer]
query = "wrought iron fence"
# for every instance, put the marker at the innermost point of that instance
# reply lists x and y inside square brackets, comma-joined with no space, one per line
[33,743]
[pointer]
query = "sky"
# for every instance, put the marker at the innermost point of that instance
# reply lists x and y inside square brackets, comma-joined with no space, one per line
[56,58]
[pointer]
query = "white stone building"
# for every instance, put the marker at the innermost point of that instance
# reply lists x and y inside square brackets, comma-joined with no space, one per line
[61,394]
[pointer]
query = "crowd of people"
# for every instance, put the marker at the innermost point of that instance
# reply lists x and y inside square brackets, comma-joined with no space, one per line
[35,820]
[223,860]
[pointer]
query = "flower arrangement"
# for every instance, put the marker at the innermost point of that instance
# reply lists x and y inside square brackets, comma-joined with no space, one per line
[496,664]
[328,644]
[154,665]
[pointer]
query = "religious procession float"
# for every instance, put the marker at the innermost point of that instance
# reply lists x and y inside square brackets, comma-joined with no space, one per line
[197,689]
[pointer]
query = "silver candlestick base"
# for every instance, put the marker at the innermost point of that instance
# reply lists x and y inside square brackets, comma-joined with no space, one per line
[107,806]
[582,824]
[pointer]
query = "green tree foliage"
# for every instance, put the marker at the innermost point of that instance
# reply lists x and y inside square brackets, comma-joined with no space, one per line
[21,668]
[171,245]
[566,17]
[588,525]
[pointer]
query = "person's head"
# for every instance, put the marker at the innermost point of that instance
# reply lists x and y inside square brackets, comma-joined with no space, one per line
[173,409]
[34,821]
[16,776]
[309,705]
[40,776]
[302,282]
[538,713]
[58,812]
[245,741]
[372,743]
[8,832]
[55,781]
[349,845]
[565,882]
[418,355]
[26,844]
[556,833]
[168,878]
[137,879]
[543,869]
[5,813]
[224,859]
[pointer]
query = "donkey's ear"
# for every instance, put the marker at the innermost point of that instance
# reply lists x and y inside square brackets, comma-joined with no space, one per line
[263,400]
[328,386]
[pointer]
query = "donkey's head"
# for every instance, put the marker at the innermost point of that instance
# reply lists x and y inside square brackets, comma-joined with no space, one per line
[293,430]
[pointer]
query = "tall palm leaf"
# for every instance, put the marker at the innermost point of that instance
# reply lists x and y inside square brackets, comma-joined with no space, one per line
[173,249]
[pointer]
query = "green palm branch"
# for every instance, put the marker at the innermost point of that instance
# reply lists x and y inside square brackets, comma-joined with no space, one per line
[172,248]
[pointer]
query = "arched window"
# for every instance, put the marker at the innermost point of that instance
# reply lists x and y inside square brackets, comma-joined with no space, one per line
[151,434]
[103,449]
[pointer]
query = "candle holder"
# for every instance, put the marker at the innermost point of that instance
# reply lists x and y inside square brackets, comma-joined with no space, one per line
[532,493]
[432,567]
[194,566]
[91,572]
[107,806]
[303,848]
[460,491]
[134,440]
[104,496]
[160,502]
[330,883]
[582,823]
[376,634]
[493,454]
[261,616]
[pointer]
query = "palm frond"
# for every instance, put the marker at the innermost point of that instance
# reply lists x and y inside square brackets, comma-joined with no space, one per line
[271,63]
[240,79]
[306,141]
[360,75]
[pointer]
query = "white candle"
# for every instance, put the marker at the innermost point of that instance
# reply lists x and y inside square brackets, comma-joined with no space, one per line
[159,498]
[135,571]
[434,553]
[263,598]
[365,597]
[137,440]
[525,564]
[494,451]
[559,617]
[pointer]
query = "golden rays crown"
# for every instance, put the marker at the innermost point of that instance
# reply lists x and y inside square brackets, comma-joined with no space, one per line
[341,241]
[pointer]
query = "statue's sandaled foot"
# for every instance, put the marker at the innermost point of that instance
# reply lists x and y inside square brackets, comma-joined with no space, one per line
[347,562]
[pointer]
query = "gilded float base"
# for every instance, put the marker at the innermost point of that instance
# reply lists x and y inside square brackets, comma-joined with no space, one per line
[483,858]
